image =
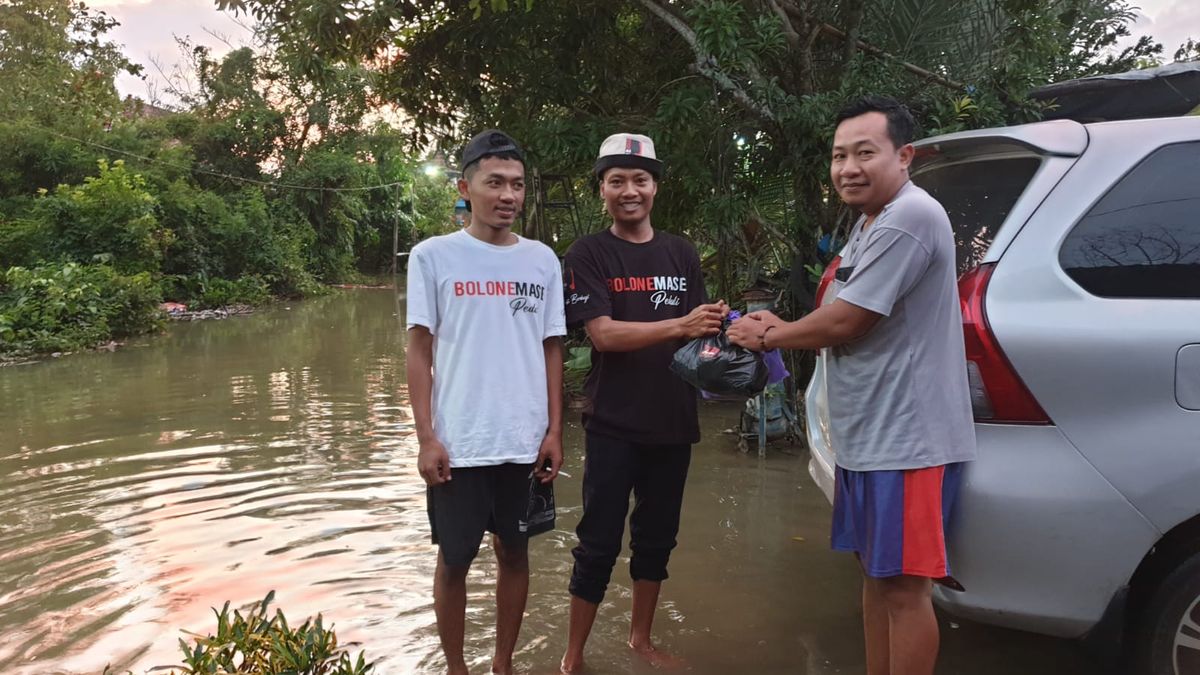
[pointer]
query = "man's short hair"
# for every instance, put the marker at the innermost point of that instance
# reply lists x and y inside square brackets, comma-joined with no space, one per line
[901,127]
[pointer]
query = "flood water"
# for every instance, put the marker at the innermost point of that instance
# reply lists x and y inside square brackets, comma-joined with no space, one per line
[227,459]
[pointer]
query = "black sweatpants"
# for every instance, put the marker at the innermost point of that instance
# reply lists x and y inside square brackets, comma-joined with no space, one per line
[612,469]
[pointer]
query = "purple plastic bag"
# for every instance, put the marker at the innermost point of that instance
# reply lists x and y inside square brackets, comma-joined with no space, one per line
[776,371]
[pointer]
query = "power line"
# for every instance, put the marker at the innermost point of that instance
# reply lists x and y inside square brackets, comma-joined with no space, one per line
[240,179]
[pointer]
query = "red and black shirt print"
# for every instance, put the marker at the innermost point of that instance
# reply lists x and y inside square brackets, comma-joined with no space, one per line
[633,396]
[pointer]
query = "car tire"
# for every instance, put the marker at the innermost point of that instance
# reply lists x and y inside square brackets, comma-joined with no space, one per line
[1170,626]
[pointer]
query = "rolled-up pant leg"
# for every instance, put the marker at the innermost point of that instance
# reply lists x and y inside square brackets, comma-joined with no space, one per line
[658,500]
[608,471]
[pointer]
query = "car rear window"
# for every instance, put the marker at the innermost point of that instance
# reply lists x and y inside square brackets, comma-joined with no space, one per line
[978,194]
[1142,239]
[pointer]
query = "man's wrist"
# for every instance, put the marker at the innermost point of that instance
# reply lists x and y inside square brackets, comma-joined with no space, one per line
[678,332]
[762,339]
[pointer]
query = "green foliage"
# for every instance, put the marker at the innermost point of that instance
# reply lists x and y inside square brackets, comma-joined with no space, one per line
[71,306]
[55,63]
[201,292]
[739,97]
[1066,39]
[34,158]
[334,215]
[110,217]
[718,24]
[1188,51]
[580,359]
[22,240]
[576,368]
[956,114]
[228,236]
[259,644]
[188,198]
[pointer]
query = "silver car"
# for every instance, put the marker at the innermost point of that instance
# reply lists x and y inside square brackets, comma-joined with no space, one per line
[1079,256]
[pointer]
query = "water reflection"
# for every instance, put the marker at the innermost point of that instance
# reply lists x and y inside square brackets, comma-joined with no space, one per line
[140,488]
[218,462]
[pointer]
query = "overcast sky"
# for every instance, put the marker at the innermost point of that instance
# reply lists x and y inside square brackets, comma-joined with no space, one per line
[148,26]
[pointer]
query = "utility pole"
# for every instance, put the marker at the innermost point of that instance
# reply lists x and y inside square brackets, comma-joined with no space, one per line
[396,231]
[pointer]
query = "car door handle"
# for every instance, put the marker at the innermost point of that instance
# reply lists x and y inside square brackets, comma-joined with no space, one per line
[1187,377]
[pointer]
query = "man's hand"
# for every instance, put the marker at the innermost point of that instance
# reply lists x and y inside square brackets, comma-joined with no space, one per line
[433,462]
[749,330]
[704,320]
[724,309]
[551,450]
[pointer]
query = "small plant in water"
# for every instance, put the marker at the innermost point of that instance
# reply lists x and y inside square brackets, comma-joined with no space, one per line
[257,645]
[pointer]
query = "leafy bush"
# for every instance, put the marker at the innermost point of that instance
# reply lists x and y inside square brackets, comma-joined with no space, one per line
[230,236]
[22,241]
[35,159]
[111,214]
[257,645]
[201,292]
[576,368]
[332,216]
[71,306]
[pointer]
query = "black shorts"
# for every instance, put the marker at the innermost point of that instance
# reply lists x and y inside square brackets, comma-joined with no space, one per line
[501,499]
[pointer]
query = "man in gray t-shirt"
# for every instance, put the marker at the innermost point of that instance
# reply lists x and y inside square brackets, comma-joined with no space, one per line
[898,395]
[899,407]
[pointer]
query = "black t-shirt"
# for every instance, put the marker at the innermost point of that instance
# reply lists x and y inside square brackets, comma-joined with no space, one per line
[633,396]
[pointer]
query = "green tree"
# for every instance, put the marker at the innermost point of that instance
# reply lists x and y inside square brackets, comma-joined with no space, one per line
[56,64]
[738,94]
[1188,51]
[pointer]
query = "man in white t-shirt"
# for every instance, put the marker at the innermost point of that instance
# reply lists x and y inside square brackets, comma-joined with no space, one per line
[485,320]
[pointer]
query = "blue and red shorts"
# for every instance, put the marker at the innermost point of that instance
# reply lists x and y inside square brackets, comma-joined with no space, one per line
[896,520]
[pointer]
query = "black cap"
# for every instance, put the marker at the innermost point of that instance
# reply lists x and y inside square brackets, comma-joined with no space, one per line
[490,142]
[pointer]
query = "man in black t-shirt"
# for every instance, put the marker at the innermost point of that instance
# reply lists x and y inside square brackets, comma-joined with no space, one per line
[640,294]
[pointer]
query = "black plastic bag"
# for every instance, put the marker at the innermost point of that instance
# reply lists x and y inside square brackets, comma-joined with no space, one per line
[539,508]
[716,365]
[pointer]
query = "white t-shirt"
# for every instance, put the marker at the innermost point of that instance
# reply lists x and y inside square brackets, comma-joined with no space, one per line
[489,309]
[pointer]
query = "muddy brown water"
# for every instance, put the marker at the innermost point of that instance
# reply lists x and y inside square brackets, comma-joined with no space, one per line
[227,459]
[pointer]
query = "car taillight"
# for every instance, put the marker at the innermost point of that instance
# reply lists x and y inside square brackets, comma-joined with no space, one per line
[826,279]
[997,393]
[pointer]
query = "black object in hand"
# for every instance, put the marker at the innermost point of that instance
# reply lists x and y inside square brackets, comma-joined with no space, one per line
[716,365]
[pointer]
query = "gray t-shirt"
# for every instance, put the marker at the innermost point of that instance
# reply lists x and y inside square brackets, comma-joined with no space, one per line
[898,396]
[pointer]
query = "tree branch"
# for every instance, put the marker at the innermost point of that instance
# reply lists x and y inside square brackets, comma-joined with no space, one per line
[705,66]
[806,36]
[855,10]
[876,51]
[780,237]
[789,32]
[825,28]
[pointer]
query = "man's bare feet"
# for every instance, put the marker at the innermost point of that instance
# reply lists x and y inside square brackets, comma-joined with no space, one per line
[657,657]
[572,665]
